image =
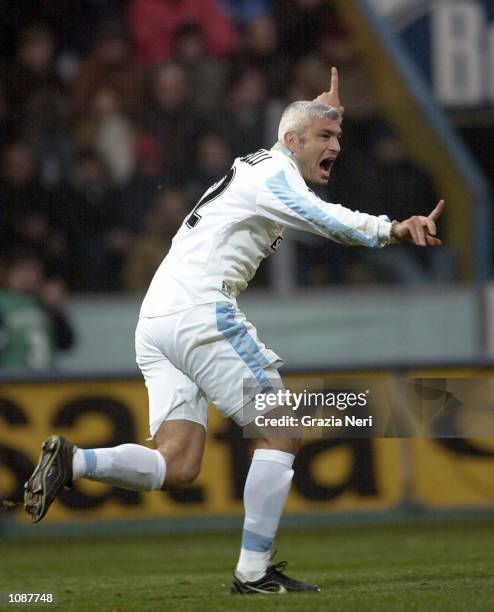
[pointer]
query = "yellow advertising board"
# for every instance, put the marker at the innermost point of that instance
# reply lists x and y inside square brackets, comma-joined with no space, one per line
[330,475]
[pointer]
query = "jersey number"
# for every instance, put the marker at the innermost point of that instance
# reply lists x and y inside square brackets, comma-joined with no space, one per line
[194,217]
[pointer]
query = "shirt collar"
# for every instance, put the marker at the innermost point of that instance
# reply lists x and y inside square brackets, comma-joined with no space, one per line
[286,151]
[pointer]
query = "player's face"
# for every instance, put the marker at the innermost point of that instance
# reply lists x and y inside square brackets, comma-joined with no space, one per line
[318,149]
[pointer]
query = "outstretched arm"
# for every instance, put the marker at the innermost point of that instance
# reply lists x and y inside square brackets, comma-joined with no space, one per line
[286,199]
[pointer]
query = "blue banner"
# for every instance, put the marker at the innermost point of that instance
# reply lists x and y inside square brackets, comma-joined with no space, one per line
[453,43]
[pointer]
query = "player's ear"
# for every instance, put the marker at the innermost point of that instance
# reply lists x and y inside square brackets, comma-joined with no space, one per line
[291,141]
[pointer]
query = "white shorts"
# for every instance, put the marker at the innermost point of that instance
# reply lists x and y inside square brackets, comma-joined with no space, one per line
[208,352]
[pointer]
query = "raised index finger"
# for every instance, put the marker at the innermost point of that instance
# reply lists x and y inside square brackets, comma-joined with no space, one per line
[334,80]
[438,211]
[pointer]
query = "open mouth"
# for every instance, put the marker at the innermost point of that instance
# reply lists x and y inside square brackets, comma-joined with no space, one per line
[326,164]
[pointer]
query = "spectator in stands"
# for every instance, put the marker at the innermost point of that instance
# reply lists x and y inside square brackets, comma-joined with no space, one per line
[171,118]
[244,121]
[393,177]
[153,24]
[259,49]
[33,70]
[35,231]
[204,74]
[98,236]
[110,133]
[48,125]
[150,247]
[39,105]
[137,196]
[33,325]
[27,214]
[20,191]
[110,64]
[212,162]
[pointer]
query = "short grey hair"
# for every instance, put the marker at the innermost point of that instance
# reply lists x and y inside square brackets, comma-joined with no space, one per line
[298,115]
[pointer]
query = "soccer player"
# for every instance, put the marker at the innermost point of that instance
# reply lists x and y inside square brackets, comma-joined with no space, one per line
[194,345]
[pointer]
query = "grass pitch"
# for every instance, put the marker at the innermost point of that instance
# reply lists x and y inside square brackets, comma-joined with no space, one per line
[429,567]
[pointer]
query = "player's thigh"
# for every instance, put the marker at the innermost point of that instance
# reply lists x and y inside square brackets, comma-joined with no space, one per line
[173,395]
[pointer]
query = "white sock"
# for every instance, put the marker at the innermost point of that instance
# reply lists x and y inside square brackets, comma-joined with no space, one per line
[265,493]
[129,466]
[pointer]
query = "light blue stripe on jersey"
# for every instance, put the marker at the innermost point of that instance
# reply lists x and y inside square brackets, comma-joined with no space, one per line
[254,541]
[90,458]
[317,216]
[237,335]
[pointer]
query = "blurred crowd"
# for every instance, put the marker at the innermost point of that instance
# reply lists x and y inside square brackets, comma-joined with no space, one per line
[116,116]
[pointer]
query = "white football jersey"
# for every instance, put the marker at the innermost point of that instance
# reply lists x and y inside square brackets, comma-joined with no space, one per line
[238,222]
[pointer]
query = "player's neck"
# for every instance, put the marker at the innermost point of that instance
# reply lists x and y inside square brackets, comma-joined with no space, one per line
[286,151]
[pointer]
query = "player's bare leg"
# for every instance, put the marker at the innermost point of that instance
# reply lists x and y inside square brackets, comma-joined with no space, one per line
[175,462]
[181,443]
[266,489]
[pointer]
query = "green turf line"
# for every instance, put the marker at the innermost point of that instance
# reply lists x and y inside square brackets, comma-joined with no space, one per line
[10,529]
